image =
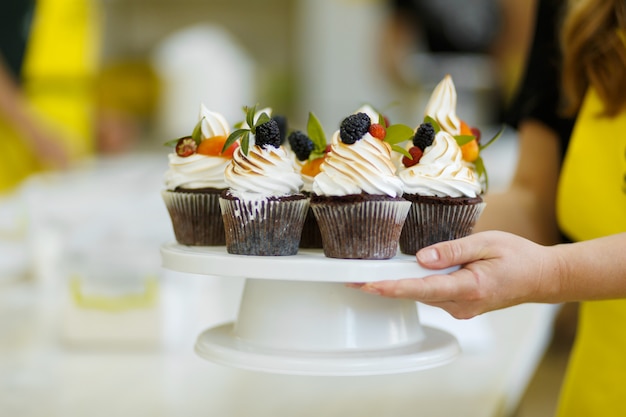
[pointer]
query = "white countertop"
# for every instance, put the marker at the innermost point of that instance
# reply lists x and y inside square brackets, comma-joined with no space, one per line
[57,359]
[42,373]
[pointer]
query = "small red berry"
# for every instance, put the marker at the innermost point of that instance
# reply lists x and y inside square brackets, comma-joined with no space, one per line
[186,146]
[476,133]
[328,148]
[416,154]
[378,131]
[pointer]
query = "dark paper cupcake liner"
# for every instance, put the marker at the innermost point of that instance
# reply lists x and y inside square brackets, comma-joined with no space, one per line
[196,217]
[434,221]
[361,230]
[263,227]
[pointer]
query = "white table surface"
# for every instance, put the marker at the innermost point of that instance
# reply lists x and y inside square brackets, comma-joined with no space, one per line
[41,373]
[53,362]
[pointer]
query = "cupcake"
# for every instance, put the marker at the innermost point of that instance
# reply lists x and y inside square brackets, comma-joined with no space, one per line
[309,150]
[357,198]
[263,209]
[444,175]
[444,191]
[195,180]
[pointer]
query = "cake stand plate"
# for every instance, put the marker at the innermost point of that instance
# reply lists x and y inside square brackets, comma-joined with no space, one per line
[222,346]
[306,265]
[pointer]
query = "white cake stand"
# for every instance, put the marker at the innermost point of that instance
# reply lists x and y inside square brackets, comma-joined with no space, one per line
[298,317]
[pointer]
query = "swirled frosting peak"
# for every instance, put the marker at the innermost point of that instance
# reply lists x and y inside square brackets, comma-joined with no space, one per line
[442,106]
[362,167]
[264,172]
[441,171]
[212,123]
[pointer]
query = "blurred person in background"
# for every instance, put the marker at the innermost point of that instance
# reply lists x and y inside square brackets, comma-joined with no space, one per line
[437,28]
[494,30]
[569,186]
[49,53]
[448,26]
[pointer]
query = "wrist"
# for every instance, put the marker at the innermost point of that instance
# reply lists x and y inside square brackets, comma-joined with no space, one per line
[559,283]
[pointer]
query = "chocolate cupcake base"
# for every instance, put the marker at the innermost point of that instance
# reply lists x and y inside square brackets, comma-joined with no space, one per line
[196,216]
[268,227]
[360,226]
[437,219]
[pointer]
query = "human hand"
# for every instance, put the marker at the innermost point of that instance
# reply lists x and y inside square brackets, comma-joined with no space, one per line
[498,270]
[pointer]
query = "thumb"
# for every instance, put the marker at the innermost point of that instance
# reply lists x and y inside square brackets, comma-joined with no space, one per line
[449,253]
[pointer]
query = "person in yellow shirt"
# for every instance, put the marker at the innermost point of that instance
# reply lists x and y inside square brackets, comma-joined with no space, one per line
[49,52]
[558,233]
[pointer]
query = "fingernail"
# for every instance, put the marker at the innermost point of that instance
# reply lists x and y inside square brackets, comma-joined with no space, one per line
[370,289]
[428,255]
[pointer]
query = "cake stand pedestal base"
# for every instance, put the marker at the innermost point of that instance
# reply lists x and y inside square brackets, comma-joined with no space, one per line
[297,316]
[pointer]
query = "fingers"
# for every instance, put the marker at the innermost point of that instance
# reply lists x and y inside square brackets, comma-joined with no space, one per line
[458,293]
[453,252]
[433,288]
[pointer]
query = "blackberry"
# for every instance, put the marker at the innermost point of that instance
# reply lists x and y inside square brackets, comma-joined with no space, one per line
[268,134]
[354,127]
[300,144]
[424,136]
[282,126]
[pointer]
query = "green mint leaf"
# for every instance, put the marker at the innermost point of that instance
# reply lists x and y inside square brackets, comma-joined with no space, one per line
[433,122]
[173,142]
[401,150]
[263,118]
[492,140]
[482,171]
[398,133]
[233,137]
[250,112]
[463,139]
[196,135]
[316,133]
[245,142]
[315,155]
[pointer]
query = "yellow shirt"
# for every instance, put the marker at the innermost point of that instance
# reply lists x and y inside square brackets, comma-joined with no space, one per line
[591,202]
[59,71]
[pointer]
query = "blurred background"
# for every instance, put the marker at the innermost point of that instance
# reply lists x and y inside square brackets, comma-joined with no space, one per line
[89,93]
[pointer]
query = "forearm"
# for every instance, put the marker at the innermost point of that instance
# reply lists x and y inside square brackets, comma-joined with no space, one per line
[15,111]
[591,270]
[518,211]
[527,208]
[13,108]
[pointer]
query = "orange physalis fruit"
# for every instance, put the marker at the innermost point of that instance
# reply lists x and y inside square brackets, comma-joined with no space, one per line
[466,129]
[312,168]
[213,147]
[470,151]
